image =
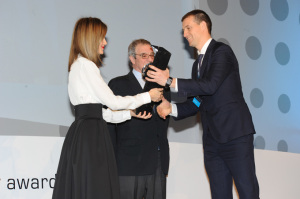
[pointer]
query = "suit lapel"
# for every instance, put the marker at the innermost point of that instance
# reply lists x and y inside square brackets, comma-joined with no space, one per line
[206,58]
[134,83]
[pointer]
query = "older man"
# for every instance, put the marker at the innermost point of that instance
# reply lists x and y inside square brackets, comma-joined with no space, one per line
[141,146]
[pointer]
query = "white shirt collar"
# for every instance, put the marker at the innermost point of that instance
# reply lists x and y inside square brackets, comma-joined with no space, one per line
[139,77]
[204,48]
[137,74]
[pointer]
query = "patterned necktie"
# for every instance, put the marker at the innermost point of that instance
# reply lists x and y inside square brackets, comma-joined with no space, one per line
[199,64]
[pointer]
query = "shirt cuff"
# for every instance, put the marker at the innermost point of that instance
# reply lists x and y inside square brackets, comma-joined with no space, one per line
[146,97]
[176,85]
[174,112]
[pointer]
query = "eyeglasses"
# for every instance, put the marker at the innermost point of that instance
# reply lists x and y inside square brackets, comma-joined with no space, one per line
[146,56]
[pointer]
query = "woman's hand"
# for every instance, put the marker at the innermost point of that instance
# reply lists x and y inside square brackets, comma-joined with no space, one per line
[156,94]
[140,115]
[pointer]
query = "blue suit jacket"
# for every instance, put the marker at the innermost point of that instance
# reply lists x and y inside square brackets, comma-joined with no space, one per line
[224,112]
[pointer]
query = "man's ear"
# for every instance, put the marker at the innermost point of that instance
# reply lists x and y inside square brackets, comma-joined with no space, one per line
[203,25]
[132,59]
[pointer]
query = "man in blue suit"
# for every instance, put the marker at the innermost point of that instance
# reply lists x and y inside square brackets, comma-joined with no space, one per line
[215,90]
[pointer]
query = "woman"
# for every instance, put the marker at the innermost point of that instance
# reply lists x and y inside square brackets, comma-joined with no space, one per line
[87,167]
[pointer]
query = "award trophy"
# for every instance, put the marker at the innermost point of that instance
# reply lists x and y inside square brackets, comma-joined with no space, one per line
[161,60]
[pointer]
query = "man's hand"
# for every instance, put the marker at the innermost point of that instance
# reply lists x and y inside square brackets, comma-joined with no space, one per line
[164,109]
[140,115]
[157,75]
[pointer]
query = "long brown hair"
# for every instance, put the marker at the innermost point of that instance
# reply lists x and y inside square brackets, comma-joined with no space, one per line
[86,38]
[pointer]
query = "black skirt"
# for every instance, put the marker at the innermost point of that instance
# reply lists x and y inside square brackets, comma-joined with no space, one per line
[87,167]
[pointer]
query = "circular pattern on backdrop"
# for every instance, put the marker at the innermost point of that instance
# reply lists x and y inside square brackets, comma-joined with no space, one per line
[256,98]
[249,7]
[224,41]
[284,103]
[282,53]
[279,9]
[282,146]
[218,7]
[253,48]
[259,142]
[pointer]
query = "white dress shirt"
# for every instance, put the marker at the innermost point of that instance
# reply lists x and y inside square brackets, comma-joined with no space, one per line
[86,86]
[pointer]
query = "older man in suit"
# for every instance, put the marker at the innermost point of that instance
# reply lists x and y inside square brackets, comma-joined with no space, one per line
[215,90]
[141,146]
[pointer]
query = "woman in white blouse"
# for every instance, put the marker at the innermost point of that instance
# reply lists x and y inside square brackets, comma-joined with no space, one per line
[87,167]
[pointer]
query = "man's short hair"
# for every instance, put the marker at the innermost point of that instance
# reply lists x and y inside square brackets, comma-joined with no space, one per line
[134,43]
[200,16]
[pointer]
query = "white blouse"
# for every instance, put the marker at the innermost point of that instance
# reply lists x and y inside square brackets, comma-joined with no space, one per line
[86,86]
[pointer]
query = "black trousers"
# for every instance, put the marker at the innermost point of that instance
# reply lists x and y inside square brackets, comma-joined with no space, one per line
[144,187]
[225,162]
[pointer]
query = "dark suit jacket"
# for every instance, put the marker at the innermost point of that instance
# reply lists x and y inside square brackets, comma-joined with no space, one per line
[224,112]
[136,141]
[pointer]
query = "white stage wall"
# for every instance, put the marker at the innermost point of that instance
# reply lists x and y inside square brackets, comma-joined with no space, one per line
[28,165]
